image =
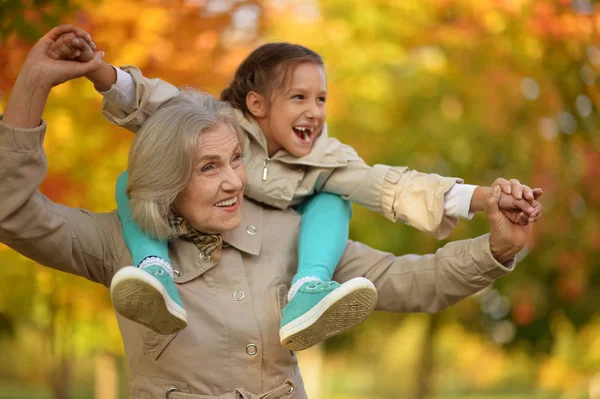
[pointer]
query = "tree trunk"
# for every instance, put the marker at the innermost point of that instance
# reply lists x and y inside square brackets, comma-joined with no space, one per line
[106,384]
[424,381]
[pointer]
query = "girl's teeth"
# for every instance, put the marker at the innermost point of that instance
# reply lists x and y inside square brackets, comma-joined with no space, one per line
[303,133]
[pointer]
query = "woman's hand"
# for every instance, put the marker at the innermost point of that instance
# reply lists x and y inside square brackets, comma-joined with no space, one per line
[40,69]
[38,75]
[76,46]
[507,238]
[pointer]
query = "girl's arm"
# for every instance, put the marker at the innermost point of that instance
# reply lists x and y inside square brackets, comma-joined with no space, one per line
[134,97]
[404,195]
[103,78]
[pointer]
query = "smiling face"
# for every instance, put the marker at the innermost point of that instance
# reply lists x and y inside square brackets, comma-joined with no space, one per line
[212,199]
[295,114]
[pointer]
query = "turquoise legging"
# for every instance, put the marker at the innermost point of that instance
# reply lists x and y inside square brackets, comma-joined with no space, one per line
[140,245]
[323,233]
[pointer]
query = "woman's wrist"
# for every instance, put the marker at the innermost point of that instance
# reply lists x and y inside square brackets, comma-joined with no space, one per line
[33,77]
[27,100]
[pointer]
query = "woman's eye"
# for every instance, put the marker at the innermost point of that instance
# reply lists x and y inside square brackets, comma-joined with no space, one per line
[207,168]
[237,157]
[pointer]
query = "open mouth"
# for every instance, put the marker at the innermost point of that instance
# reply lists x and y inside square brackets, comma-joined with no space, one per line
[303,133]
[227,203]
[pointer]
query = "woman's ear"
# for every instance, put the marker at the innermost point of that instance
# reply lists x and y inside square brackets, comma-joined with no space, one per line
[256,104]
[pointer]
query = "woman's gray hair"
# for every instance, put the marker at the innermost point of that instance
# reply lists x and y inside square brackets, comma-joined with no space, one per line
[162,157]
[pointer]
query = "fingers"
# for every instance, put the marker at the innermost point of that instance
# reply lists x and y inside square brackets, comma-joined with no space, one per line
[522,205]
[83,51]
[80,33]
[83,68]
[491,202]
[504,184]
[523,219]
[527,193]
[56,32]
[71,70]
[516,188]
[537,213]
[69,47]
[64,47]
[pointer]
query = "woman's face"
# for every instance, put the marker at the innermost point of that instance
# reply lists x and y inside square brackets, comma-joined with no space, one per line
[212,199]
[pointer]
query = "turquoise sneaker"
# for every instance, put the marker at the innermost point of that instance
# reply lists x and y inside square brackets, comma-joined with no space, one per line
[148,295]
[323,309]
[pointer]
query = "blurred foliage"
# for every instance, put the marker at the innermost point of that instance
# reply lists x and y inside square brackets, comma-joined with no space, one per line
[479,90]
[29,19]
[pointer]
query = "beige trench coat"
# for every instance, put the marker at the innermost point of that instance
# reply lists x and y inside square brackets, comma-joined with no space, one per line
[231,347]
[400,194]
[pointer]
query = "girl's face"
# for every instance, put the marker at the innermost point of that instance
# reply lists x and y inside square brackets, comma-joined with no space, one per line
[212,199]
[296,113]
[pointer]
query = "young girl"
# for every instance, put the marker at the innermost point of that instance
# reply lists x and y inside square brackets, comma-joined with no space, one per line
[279,93]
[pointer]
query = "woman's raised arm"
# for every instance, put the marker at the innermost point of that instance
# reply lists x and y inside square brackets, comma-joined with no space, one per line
[37,77]
[72,240]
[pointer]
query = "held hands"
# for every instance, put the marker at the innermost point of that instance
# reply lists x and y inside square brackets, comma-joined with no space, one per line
[518,202]
[76,45]
[506,237]
[45,64]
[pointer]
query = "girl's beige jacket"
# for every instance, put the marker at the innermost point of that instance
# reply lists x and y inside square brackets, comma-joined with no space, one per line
[398,193]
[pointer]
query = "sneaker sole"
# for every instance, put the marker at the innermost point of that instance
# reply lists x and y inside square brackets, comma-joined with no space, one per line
[344,308]
[140,298]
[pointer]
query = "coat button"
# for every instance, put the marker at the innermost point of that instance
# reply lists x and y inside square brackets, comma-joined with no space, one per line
[176,273]
[238,295]
[250,229]
[251,349]
[225,244]
[170,391]
[204,257]
[292,388]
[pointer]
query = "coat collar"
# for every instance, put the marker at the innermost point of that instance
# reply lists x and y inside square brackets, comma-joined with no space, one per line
[247,237]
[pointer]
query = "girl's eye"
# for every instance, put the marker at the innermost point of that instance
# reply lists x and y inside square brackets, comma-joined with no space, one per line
[298,97]
[323,99]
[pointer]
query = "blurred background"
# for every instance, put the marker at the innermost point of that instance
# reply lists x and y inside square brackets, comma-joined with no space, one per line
[469,88]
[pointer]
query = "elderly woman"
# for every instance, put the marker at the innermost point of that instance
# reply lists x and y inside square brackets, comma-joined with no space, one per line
[231,347]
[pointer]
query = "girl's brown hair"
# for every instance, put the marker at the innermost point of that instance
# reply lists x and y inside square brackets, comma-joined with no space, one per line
[264,69]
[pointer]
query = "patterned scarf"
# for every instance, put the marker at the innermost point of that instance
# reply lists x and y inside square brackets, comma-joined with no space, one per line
[206,243]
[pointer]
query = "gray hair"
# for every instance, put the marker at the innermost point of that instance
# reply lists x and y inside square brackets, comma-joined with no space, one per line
[162,156]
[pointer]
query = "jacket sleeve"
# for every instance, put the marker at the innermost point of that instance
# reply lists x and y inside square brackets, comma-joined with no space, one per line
[150,94]
[71,240]
[398,193]
[424,283]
